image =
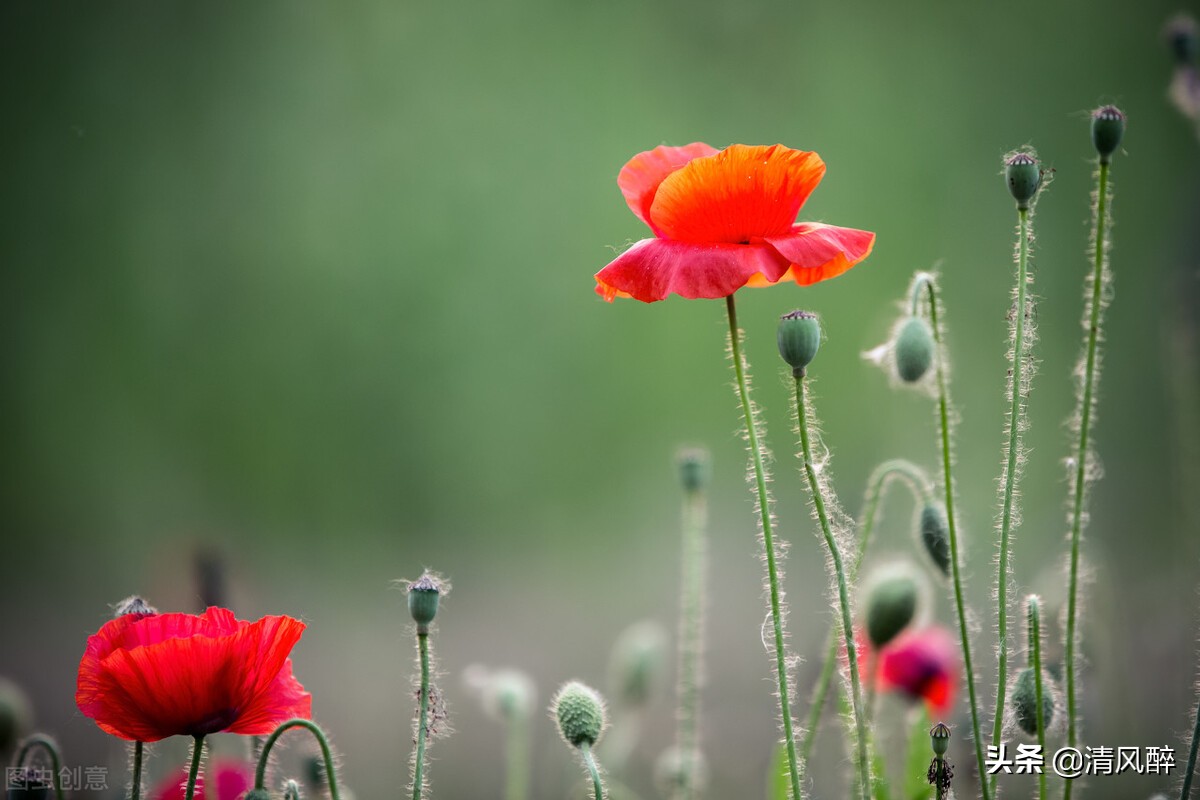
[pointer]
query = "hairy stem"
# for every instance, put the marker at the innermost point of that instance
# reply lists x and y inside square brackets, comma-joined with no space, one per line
[590,761]
[927,282]
[764,508]
[816,490]
[135,785]
[260,773]
[194,771]
[422,718]
[51,747]
[691,639]
[1009,479]
[1035,653]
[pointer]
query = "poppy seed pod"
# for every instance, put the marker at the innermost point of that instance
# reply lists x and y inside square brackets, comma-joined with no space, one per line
[423,596]
[1108,126]
[913,349]
[1024,176]
[935,536]
[1024,702]
[892,602]
[799,338]
[939,738]
[134,604]
[579,711]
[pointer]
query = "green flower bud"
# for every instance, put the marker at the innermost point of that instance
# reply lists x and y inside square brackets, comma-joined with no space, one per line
[1108,126]
[893,597]
[579,711]
[639,659]
[913,349]
[313,770]
[934,531]
[257,794]
[423,596]
[693,468]
[939,739]
[1024,176]
[291,790]
[799,338]
[1024,702]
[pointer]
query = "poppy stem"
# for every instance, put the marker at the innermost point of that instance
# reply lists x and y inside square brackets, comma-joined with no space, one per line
[925,281]
[917,481]
[1018,391]
[422,717]
[517,756]
[1091,371]
[817,494]
[691,638]
[1034,615]
[589,761]
[135,786]
[765,527]
[194,771]
[260,774]
[51,748]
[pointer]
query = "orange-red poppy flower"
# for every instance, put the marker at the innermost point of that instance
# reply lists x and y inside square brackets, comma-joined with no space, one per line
[145,677]
[724,219]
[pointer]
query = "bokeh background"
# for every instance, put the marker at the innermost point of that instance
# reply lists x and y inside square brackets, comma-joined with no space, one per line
[309,286]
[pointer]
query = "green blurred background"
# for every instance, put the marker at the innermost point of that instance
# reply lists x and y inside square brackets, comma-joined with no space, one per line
[311,284]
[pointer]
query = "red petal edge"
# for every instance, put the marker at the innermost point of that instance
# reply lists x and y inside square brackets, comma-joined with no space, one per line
[654,268]
[818,252]
[640,177]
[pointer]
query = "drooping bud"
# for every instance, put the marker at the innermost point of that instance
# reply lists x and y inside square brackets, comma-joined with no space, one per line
[934,531]
[134,604]
[423,596]
[26,784]
[1181,36]
[1108,126]
[1023,174]
[913,349]
[1024,702]
[638,661]
[893,597]
[693,468]
[579,711]
[799,338]
[939,738]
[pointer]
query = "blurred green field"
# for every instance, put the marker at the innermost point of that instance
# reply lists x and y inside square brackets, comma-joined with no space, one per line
[311,283]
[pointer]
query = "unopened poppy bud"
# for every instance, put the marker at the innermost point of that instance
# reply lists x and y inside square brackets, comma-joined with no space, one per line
[1024,176]
[913,349]
[693,468]
[134,604]
[313,770]
[935,536]
[893,596]
[579,711]
[639,659]
[1181,36]
[25,784]
[1024,702]
[799,338]
[291,790]
[939,739]
[423,596]
[257,794]
[1108,126]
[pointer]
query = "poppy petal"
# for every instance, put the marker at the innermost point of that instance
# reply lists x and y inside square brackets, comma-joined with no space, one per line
[654,268]
[742,194]
[817,252]
[640,177]
[284,699]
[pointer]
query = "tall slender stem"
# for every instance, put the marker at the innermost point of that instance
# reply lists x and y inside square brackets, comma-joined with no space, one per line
[260,774]
[589,761]
[194,771]
[422,718]
[952,521]
[1191,762]
[516,784]
[135,786]
[764,508]
[1009,480]
[691,638]
[1035,653]
[878,479]
[835,553]
[1081,454]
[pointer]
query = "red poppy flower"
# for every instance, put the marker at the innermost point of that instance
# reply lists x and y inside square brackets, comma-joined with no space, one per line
[923,664]
[724,219]
[229,781]
[145,677]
